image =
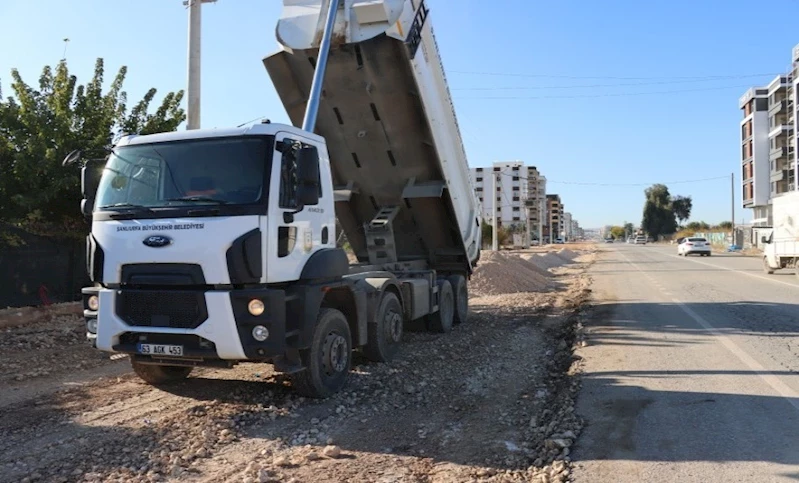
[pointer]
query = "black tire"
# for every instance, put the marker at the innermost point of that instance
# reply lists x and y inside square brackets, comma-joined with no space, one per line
[461,291]
[327,362]
[766,267]
[708,254]
[157,375]
[385,335]
[441,321]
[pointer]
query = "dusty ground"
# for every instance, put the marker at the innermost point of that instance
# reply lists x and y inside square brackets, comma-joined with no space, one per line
[491,401]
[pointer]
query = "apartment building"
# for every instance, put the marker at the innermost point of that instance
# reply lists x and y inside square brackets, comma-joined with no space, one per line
[780,136]
[536,202]
[509,196]
[554,228]
[567,226]
[768,142]
[755,165]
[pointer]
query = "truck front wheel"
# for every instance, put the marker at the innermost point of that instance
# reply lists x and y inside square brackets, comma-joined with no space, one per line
[153,374]
[327,362]
[766,267]
[385,333]
[441,321]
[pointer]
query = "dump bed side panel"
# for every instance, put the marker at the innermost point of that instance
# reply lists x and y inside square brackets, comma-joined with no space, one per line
[393,140]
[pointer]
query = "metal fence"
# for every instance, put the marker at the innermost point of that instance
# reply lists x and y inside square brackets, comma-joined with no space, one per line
[38,270]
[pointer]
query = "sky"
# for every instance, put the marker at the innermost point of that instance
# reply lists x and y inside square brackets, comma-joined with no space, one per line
[605,98]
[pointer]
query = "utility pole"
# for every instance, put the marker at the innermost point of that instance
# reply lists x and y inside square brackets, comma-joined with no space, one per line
[732,206]
[494,241]
[194,71]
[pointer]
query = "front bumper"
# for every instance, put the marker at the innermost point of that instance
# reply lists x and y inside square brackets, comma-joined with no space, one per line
[216,326]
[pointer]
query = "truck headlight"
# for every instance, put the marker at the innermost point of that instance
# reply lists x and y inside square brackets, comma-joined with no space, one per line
[93,302]
[91,326]
[256,307]
[260,333]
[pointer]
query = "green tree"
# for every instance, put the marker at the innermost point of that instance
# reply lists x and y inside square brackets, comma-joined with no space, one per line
[629,228]
[681,205]
[697,226]
[38,127]
[617,232]
[658,218]
[724,225]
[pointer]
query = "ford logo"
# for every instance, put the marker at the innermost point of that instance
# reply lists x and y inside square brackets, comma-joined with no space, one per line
[157,241]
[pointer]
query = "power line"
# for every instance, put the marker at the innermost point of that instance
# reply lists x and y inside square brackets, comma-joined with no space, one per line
[592,96]
[587,86]
[555,76]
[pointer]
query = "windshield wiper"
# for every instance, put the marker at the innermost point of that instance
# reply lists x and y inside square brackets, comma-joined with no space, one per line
[125,205]
[199,198]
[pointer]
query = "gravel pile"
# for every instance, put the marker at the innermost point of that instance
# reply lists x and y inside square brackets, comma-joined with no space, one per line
[50,343]
[504,273]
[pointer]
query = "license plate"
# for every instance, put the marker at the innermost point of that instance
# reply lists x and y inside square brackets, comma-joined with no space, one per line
[161,349]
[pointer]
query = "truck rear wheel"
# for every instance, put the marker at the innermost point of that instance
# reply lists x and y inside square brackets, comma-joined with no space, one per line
[327,362]
[385,334]
[441,321]
[153,374]
[461,290]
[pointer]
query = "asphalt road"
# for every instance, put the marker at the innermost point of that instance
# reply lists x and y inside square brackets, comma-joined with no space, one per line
[691,370]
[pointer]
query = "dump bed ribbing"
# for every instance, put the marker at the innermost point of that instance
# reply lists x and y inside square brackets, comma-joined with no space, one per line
[387,117]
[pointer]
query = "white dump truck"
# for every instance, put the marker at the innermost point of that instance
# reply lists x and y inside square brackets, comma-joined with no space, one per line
[215,247]
[781,247]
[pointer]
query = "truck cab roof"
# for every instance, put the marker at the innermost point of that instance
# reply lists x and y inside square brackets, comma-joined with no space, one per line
[258,129]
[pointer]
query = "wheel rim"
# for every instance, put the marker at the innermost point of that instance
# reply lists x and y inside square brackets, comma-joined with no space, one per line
[335,354]
[393,325]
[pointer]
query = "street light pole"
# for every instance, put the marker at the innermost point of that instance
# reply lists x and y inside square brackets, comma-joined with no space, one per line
[194,55]
[494,241]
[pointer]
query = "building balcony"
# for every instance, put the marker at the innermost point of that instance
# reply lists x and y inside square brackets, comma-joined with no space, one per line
[778,175]
[777,107]
[777,153]
[781,128]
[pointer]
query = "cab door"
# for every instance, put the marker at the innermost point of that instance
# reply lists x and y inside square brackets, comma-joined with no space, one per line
[294,232]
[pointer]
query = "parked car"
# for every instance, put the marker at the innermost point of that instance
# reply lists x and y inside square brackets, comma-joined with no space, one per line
[694,244]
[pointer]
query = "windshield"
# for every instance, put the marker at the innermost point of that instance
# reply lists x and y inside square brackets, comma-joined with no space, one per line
[207,171]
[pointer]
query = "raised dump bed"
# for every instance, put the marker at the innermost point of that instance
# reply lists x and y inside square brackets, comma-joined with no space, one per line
[403,188]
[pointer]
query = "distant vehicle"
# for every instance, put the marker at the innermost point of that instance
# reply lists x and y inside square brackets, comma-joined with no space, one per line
[694,244]
[640,240]
[781,247]
[609,240]
[559,241]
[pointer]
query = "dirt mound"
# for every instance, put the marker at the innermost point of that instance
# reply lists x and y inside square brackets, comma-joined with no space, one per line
[567,254]
[532,262]
[550,260]
[500,273]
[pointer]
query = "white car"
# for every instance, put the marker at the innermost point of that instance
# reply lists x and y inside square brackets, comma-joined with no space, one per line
[694,244]
[639,240]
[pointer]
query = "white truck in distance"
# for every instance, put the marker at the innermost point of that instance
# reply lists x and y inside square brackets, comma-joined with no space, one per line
[214,247]
[781,249]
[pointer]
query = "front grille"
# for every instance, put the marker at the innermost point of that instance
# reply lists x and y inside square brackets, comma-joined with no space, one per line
[179,309]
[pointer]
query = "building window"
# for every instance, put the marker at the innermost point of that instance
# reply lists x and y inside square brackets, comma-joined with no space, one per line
[515,198]
[479,179]
[479,170]
[515,188]
[515,178]
[515,168]
[515,208]
[479,188]
[496,170]
[516,218]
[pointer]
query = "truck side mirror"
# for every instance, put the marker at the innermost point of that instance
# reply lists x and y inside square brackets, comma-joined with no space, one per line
[308,176]
[90,177]
[763,239]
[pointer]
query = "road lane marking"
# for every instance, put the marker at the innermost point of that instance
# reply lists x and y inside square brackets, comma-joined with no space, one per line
[772,380]
[789,284]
